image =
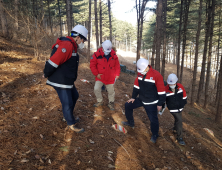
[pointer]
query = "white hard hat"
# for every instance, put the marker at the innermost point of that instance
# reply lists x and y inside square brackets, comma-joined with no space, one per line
[172,79]
[81,30]
[142,64]
[107,46]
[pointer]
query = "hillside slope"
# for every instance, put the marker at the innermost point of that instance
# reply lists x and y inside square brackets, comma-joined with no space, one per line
[33,135]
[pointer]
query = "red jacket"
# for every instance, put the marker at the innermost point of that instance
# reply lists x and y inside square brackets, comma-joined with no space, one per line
[150,88]
[62,67]
[109,69]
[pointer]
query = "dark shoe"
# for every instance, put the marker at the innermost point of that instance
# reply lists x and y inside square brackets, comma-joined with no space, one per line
[76,129]
[154,138]
[77,120]
[98,104]
[111,106]
[180,141]
[127,124]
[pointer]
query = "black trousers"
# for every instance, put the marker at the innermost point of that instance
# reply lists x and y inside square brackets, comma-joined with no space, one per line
[178,124]
[151,111]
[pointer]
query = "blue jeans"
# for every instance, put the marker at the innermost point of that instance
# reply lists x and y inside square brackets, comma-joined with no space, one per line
[151,111]
[68,98]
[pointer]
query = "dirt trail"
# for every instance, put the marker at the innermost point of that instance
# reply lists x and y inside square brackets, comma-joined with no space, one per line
[33,135]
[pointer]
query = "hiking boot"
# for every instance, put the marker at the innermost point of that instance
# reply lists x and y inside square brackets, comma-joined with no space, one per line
[154,138]
[77,120]
[98,104]
[111,106]
[127,124]
[76,129]
[180,141]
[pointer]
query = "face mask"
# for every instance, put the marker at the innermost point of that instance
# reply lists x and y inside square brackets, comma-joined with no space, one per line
[106,53]
[81,45]
[144,72]
[173,87]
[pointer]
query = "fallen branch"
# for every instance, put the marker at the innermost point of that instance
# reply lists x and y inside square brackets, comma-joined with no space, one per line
[122,146]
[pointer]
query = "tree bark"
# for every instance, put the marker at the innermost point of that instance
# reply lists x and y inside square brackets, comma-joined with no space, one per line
[60,20]
[110,21]
[69,21]
[16,18]
[218,50]
[207,33]
[209,54]
[158,34]
[3,19]
[50,21]
[89,30]
[186,10]
[96,24]
[179,39]
[71,14]
[219,92]
[164,37]
[100,21]
[196,53]
[153,48]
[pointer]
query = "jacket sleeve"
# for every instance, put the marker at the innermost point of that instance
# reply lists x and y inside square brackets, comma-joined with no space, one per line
[136,89]
[93,65]
[62,54]
[184,96]
[117,67]
[160,89]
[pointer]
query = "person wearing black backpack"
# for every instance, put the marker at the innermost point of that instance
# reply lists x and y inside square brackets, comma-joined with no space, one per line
[61,70]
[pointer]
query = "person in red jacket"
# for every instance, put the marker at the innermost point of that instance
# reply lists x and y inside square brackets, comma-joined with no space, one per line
[104,64]
[150,87]
[176,99]
[61,70]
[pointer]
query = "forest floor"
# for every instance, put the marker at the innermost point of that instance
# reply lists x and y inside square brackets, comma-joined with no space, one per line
[33,135]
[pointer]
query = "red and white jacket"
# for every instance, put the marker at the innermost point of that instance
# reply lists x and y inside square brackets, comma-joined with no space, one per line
[62,67]
[176,101]
[109,69]
[150,88]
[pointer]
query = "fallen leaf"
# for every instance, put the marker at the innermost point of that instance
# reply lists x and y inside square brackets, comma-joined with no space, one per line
[28,152]
[78,162]
[41,136]
[111,159]
[111,166]
[15,152]
[37,156]
[24,160]
[64,148]
[41,160]
[49,161]
[36,117]
[91,141]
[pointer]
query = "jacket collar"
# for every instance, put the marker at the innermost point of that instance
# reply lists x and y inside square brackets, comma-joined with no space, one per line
[73,42]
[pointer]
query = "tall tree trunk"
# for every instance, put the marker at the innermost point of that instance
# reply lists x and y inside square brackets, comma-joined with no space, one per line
[96,24]
[42,14]
[207,34]
[218,49]
[179,39]
[16,18]
[138,11]
[3,19]
[164,37]
[219,92]
[186,10]
[60,20]
[71,15]
[69,21]
[153,48]
[110,21]
[50,21]
[158,33]
[209,54]
[100,21]
[196,53]
[89,29]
